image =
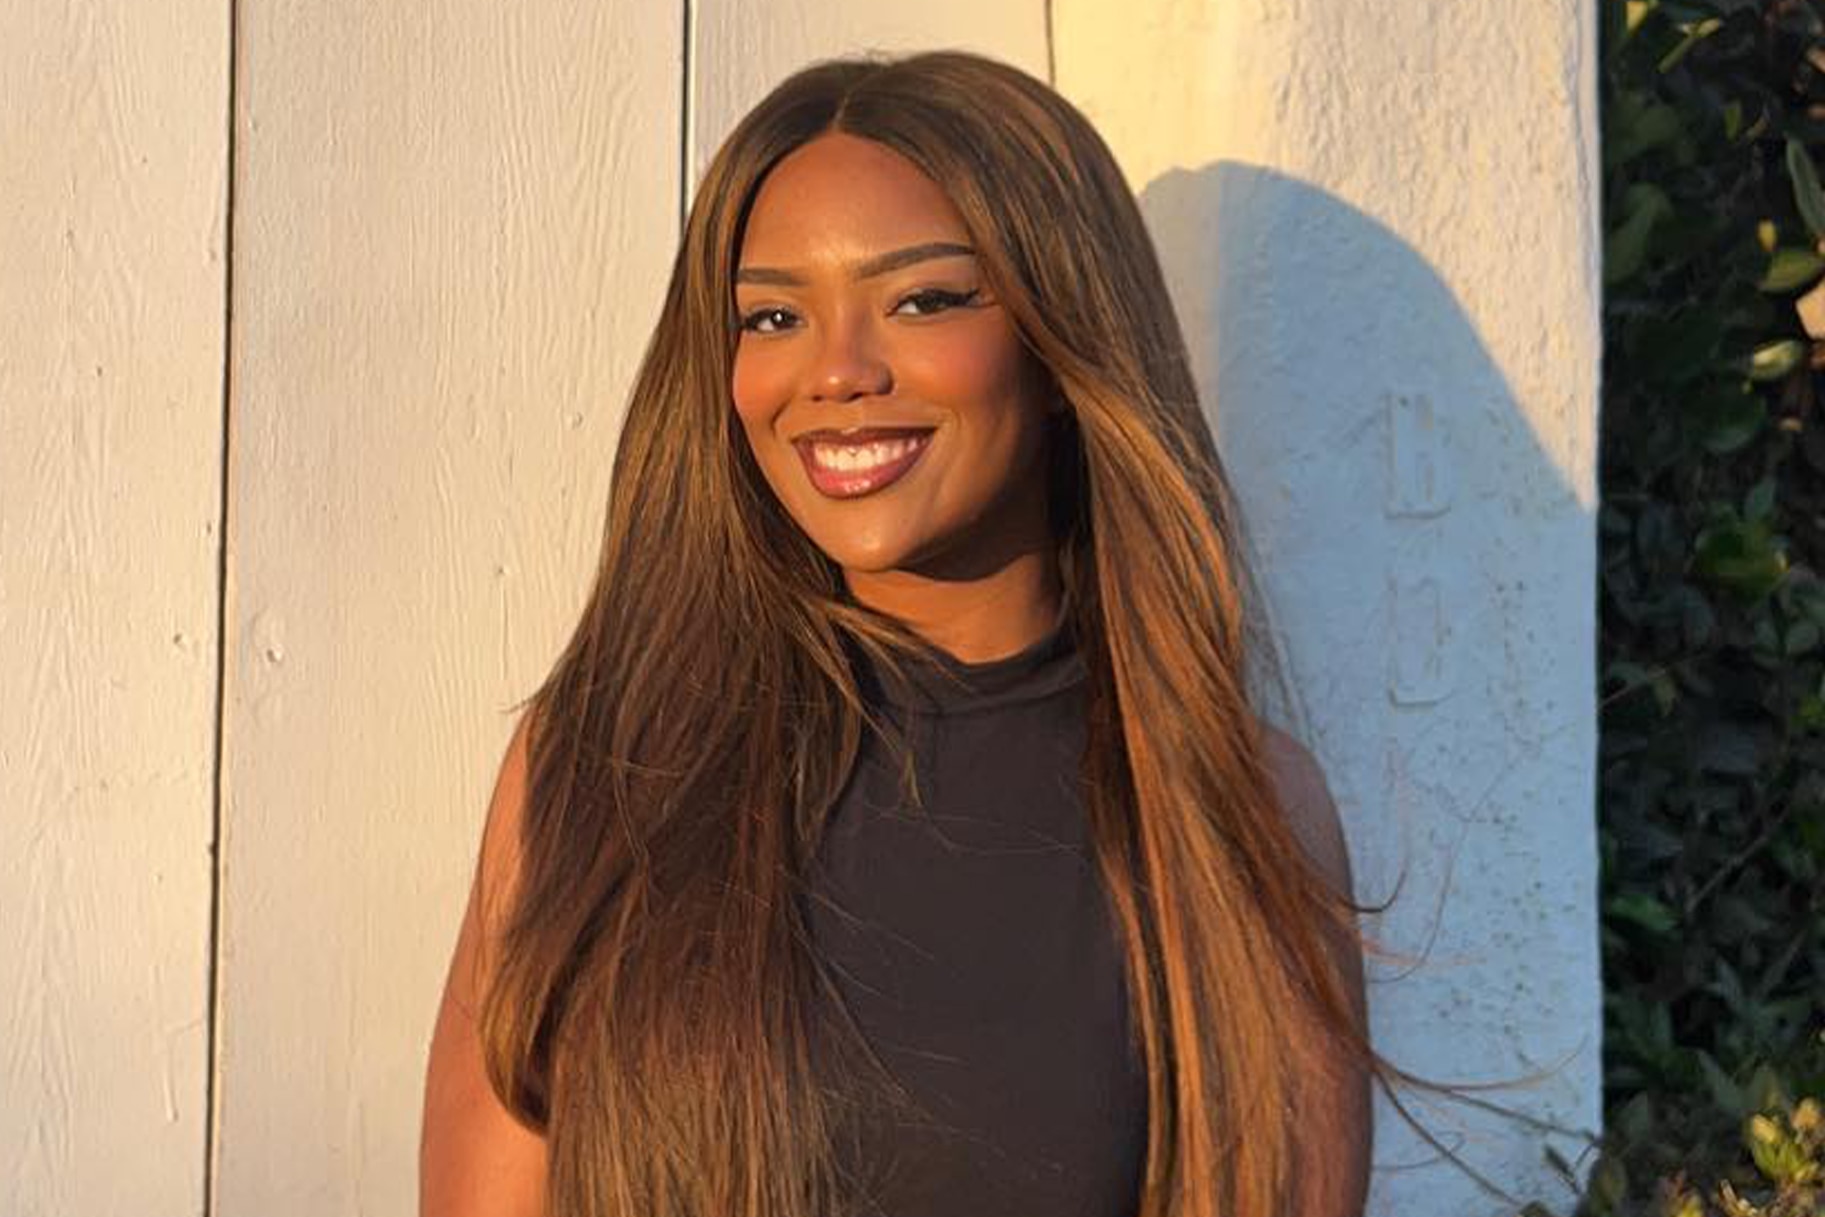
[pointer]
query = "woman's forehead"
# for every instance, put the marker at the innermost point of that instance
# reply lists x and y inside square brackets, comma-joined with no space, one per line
[841,199]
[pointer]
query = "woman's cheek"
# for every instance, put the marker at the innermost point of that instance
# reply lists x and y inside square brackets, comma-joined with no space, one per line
[759,388]
[976,363]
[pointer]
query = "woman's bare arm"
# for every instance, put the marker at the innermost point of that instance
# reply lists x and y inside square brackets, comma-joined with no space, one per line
[475,1160]
[1334,1121]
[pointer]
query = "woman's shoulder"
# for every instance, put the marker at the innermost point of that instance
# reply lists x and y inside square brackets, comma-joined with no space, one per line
[1305,796]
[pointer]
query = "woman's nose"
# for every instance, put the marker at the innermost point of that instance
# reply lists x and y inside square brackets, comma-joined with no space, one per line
[848,364]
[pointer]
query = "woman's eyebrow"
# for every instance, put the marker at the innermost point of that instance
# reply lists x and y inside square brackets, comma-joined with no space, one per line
[880,264]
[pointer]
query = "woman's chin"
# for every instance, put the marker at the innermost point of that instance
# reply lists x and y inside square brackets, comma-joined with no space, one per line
[866,558]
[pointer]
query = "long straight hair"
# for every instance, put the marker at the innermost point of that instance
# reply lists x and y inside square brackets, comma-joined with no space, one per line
[649,1012]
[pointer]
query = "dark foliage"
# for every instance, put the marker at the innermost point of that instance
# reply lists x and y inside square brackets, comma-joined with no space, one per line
[1712,469]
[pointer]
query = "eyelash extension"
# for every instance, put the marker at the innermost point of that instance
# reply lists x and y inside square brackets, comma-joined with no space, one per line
[949,299]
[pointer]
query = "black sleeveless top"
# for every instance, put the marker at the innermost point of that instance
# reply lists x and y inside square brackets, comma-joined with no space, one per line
[974,944]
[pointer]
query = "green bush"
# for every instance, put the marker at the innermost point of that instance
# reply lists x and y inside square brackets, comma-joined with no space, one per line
[1712,727]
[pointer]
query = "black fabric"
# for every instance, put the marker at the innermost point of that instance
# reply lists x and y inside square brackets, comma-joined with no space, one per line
[974,943]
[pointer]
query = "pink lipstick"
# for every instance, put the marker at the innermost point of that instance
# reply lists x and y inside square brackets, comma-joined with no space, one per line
[860,463]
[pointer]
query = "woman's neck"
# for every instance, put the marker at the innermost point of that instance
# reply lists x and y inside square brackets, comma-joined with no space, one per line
[988,617]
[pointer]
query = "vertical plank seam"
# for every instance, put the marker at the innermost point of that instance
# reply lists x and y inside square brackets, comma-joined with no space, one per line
[1051,53]
[212,1037]
[685,143]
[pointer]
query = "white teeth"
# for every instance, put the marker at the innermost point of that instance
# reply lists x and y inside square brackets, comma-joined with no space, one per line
[853,458]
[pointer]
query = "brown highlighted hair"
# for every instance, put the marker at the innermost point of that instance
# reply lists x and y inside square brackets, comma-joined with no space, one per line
[648,1010]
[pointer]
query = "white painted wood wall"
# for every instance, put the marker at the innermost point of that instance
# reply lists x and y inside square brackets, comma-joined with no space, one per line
[361,287]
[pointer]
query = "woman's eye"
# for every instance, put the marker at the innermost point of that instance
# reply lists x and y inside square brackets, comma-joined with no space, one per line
[753,321]
[774,319]
[936,300]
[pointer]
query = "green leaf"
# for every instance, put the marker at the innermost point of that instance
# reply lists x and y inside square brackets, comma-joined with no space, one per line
[1811,717]
[1809,598]
[1676,349]
[1773,360]
[1724,1091]
[1735,918]
[1758,504]
[1730,748]
[1809,826]
[1695,34]
[1643,910]
[1697,619]
[1625,246]
[1636,1119]
[1740,556]
[1610,1182]
[1807,196]
[1792,268]
[1725,417]
[1767,1089]
[1638,126]
[1778,1154]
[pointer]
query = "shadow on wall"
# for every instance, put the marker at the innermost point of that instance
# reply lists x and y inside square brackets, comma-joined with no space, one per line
[1431,571]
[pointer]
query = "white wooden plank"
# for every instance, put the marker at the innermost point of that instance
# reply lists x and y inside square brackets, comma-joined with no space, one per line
[113,152]
[742,48]
[455,222]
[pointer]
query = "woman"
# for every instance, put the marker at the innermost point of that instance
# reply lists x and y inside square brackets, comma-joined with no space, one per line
[918,556]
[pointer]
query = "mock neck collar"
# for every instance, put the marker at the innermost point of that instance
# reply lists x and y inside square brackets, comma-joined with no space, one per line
[940,683]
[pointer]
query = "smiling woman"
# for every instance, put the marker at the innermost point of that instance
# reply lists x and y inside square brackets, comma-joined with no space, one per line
[889,399]
[897,833]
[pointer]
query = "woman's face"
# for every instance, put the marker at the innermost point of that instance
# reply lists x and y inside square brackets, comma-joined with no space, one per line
[863,312]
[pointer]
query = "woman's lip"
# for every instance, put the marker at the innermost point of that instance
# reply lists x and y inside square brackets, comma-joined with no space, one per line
[853,483]
[860,435]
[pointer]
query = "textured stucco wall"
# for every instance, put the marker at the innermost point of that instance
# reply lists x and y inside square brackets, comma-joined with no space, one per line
[449,233]
[1379,225]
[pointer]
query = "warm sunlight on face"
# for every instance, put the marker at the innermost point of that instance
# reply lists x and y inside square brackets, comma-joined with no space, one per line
[886,394]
